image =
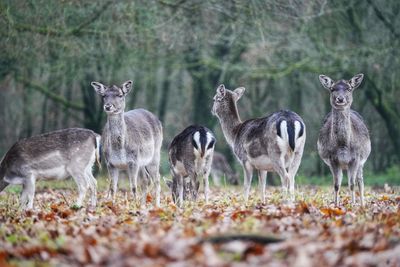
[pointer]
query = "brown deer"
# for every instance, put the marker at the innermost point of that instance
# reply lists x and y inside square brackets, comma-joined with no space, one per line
[343,142]
[221,168]
[131,140]
[53,155]
[273,143]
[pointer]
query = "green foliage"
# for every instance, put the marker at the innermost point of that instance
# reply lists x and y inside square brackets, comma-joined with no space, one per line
[391,177]
[177,52]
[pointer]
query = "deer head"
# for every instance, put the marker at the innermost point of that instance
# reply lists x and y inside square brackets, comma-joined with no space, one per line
[341,91]
[113,96]
[225,100]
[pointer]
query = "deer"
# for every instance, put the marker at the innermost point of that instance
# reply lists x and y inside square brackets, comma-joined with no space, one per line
[53,155]
[343,141]
[220,167]
[190,155]
[131,141]
[273,143]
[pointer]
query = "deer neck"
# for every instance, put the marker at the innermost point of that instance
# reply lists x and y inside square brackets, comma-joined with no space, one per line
[117,129]
[229,121]
[341,126]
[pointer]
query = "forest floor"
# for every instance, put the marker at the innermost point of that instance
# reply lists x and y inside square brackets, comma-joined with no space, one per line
[225,232]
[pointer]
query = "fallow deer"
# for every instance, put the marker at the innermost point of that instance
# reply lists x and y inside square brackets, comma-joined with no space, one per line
[131,140]
[343,142]
[54,155]
[273,143]
[190,155]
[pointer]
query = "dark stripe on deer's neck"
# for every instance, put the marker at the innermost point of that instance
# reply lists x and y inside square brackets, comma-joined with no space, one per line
[230,120]
[341,126]
[117,130]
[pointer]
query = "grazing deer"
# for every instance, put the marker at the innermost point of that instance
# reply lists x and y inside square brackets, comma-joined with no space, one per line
[220,168]
[131,140]
[53,155]
[343,142]
[273,143]
[190,155]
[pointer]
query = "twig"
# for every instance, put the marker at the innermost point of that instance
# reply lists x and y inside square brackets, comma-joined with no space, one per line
[241,237]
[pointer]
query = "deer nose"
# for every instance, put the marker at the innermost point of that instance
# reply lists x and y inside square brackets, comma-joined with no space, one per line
[340,99]
[107,107]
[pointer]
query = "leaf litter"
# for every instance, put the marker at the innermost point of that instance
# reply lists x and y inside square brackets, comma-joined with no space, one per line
[224,232]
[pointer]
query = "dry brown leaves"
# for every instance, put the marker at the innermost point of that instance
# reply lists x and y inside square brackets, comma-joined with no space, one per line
[314,232]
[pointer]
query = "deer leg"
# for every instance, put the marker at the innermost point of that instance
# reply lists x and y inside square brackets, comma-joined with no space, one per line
[279,167]
[82,184]
[293,168]
[155,176]
[351,175]
[360,183]
[93,187]
[28,193]
[154,170]
[206,186]
[113,174]
[144,182]
[133,172]
[23,199]
[337,180]
[180,181]
[216,179]
[262,176]
[248,175]
[194,186]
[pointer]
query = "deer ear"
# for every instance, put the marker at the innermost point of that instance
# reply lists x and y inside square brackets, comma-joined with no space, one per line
[239,92]
[326,81]
[221,90]
[127,87]
[99,88]
[356,80]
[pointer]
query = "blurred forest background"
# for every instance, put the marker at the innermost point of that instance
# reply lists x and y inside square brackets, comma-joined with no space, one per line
[178,51]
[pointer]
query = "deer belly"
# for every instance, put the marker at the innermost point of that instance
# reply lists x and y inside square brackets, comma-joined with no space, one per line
[343,157]
[117,160]
[57,172]
[50,166]
[262,162]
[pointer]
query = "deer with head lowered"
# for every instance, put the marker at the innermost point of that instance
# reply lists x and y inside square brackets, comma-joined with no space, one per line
[273,143]
[190,156]
[131,140]
[343,142]
[54,155]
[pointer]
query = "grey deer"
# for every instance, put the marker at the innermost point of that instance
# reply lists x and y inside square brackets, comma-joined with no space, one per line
[54,155]
[190,155]
[131,140]
[343,142]
[220,168]
[273,143]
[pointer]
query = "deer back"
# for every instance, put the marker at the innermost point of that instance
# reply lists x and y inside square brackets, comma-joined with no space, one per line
[191,151]
[269,136]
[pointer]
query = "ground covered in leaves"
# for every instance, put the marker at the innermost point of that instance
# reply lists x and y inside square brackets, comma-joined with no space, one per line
[225,232]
